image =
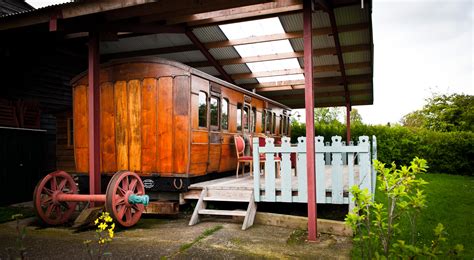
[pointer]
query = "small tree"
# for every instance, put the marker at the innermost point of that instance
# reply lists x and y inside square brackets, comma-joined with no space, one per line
[376,226]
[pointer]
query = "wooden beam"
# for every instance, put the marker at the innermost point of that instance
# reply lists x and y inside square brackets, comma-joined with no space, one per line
[209,56]
[335,34]
[239,13]
[323,68]
[161,10]
[280,56]
[322,94]
[299,84]
[150,52]
[283,36]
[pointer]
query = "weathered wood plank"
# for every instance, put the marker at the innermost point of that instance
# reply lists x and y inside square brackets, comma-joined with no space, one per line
[301,173]
[286,195]
[134,117]
[181,97]
[121,125]
[81,128]
[149,125]
[320,171]
[336,163]
[165,126]
[107,128]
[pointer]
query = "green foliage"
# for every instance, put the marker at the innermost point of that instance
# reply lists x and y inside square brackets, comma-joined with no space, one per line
[105,234]
[376,225]
[444,113]
[448,152]
[204,234]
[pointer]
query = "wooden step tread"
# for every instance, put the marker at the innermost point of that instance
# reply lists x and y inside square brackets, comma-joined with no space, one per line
[222,212]
[215,198]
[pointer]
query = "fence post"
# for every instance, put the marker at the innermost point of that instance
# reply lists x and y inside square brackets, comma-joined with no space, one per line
[270,194]
[365,177]
[256,169]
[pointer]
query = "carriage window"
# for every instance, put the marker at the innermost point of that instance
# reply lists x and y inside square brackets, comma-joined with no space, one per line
[253,118]
[239,117]
[268,123]
[245,117]
[263,121]
[274,123]
[225,114]
[214,107]
[202,109]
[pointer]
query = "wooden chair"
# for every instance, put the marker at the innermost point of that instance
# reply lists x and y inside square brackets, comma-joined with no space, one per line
[261,143]
[241,157]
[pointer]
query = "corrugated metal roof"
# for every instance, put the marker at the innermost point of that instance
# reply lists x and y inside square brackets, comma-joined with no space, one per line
[356,37]
[188,56]
[322,41]
[359,86]
[360,56]
[209,70]
[224,53]
[209,34]
[42,8]
[358,71]
[246,81]
[294,22]
[145,42]
[351,15]
[237,68]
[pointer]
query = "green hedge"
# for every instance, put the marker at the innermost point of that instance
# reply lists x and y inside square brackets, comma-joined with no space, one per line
[446,152]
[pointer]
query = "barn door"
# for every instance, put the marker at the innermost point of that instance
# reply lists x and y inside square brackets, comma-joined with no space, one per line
[215,137]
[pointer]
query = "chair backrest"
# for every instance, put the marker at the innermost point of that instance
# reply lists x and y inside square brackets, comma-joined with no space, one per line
[239,145]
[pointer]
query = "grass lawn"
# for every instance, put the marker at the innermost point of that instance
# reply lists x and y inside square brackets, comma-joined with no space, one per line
[450,202]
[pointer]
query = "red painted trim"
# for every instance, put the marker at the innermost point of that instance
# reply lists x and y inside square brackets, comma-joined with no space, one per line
[80,197]
[309,108]
[94,114]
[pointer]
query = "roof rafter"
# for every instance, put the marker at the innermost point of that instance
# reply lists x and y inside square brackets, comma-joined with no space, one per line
[284,36]
[209,56]
[322,68]
[299,84]
[280,56]
[323,94]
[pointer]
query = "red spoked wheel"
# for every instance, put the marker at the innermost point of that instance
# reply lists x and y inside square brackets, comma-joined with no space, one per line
[48,208]
[121,186]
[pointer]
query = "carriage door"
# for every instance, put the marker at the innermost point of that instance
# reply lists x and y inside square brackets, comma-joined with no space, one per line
[215,138]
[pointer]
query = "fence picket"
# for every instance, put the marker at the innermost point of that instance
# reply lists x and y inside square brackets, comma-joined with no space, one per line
[270,170]
[320,168]
[285,173]
[301,168]
[256,169]
[336,174]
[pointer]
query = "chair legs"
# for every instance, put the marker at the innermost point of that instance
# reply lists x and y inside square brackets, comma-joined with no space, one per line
[243,168]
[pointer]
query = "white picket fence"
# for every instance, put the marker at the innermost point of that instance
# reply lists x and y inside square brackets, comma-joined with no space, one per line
[349,165]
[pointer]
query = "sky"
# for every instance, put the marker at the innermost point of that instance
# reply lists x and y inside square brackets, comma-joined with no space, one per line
[421,47]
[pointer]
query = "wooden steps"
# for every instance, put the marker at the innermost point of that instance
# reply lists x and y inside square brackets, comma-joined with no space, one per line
[225,195]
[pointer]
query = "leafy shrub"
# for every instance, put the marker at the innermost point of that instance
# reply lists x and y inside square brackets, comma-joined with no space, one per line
[448,152]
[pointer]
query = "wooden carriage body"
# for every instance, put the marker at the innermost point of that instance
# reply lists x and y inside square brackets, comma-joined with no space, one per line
[162,118]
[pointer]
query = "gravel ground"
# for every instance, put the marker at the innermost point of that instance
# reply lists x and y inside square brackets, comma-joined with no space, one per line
[158,238]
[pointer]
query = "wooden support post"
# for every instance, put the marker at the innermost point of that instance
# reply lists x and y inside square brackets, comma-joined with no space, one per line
[348,123]
[309,107]
[94,114]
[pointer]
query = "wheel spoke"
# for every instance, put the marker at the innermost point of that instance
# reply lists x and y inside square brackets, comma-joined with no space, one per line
[121,212]
[47,191]
[128,214]
[133,185]
[135,207]
[49,210]
[48,200]
[62,184]
[58,211]
[122,191]
[125,183]
[119,200]
[54,184]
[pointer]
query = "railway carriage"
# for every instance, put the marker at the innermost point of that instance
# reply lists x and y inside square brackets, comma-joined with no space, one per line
[169,123]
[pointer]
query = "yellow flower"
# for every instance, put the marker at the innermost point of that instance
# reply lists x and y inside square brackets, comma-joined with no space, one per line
[96,222]
[112,226]
[108,219]
[102,226]
[111,233]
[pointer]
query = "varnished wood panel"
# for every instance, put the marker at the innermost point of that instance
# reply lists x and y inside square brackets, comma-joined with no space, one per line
[214,157]
[121,125]
[201,137]
[107,128]
[181,96]
[198,168]
[228,158]
[149,126]
[199,153]
[134,117]
[165,126]
[81,136]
